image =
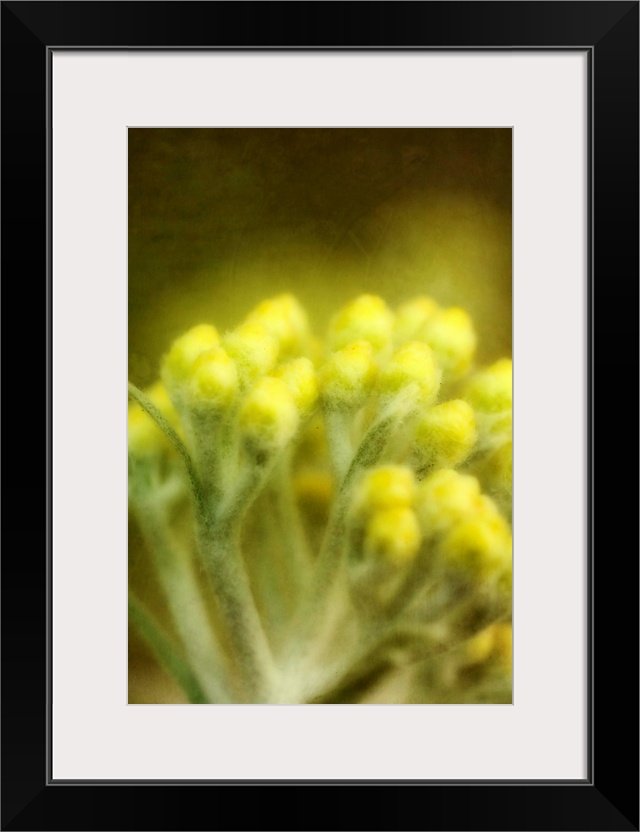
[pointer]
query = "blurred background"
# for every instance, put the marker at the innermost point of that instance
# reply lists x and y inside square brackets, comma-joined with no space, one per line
[221,218]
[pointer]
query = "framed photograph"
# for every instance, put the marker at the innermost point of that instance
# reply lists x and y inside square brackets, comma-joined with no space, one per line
[330,246]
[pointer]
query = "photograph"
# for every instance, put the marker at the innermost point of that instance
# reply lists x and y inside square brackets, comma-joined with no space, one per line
[320,415]
[325,246]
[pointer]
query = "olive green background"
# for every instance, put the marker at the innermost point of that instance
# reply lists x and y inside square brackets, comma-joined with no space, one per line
[221,218]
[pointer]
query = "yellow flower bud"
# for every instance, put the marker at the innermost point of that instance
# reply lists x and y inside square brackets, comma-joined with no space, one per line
[450,333]
[300,377]
[367,318]
[480,547]
[495,428]
[491,391]
[445,434]
[254,350]
[386,487]
[145,437]
[269,417]
[413,363]
[285,319]
[411,316]
[348,376]
[446,498]
[214,381]
[178,363]
[393,534]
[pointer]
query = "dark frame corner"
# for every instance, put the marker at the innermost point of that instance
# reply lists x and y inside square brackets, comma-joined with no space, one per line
[608,800]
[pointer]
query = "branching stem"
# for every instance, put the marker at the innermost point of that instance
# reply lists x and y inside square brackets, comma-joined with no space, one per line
[168,654]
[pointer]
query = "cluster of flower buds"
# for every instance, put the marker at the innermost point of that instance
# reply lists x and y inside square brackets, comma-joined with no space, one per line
[387,428]
[384,500]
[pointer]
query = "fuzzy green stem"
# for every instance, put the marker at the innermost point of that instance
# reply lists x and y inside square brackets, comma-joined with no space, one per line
[290,522]
[368,454]
[308,623]
[219,545]
[218,536]
[268,572]
[184,599]
[337,425]
[166,651]
[283,563]
[149,407]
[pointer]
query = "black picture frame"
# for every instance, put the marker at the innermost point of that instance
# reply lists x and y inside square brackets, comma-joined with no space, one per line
[608,798]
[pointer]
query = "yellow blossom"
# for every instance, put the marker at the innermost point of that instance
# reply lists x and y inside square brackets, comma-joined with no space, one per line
[445,434]
[412,364]
[385,487]
[178,363]
[394,534]
[269,416]
[491,391]
[367,318]
[480,547]
[446,498]
[347,377]
[450,334]
[214,380]
[285,320]
[254,350]
[300,377]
